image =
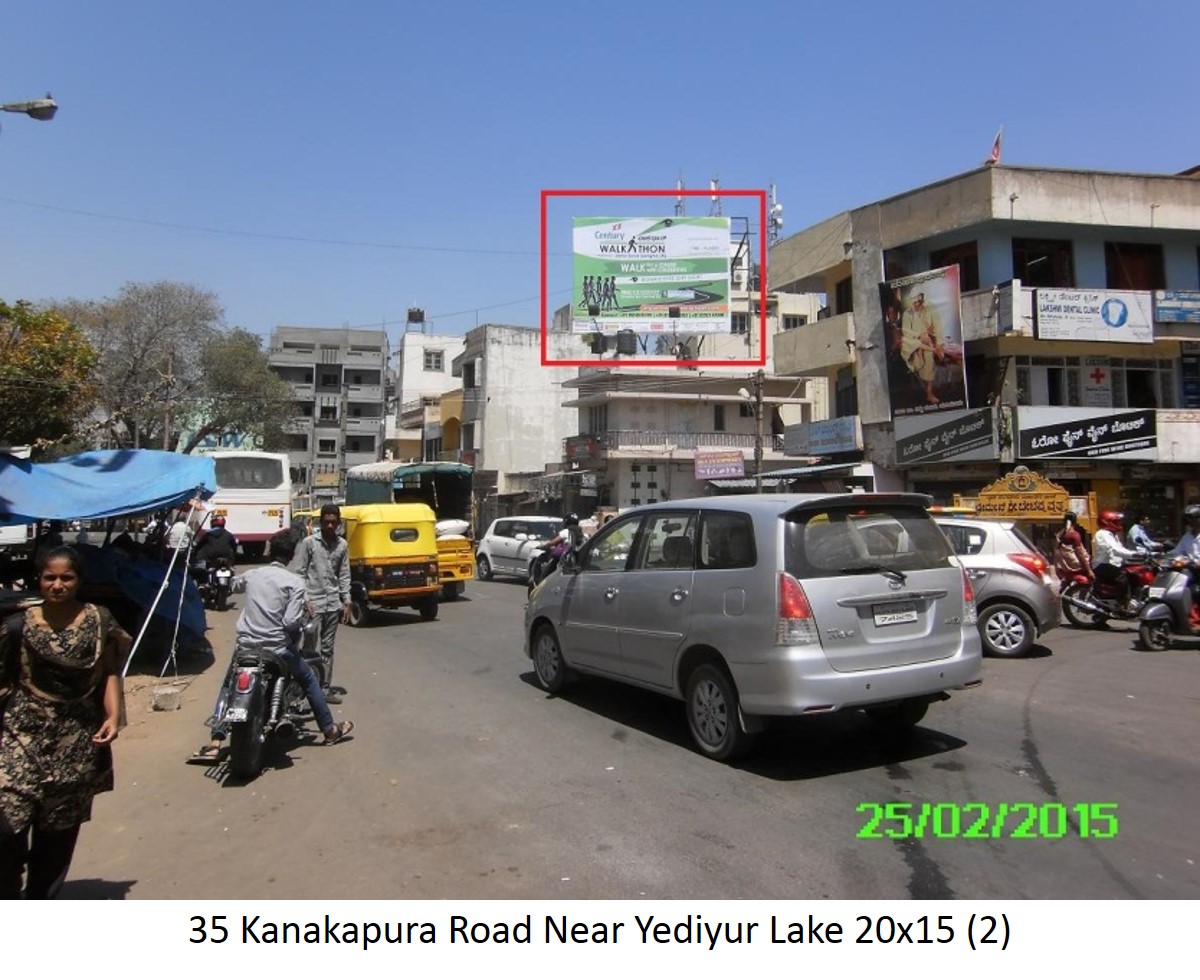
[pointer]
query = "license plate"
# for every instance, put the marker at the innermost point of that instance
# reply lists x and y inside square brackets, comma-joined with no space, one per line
[235,714]
[900,612]
[1156,591]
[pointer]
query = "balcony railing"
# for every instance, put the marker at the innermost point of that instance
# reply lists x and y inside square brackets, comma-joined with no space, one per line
[626,439]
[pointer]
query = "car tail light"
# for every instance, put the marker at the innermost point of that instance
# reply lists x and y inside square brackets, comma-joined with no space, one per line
[796,625]
[245,679]
[970,613]
[1033,563]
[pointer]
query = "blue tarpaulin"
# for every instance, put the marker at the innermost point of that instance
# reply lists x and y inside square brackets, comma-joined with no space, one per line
[105,483]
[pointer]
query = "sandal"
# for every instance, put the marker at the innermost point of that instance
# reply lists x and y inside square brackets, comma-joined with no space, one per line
[338,732]
[206,754]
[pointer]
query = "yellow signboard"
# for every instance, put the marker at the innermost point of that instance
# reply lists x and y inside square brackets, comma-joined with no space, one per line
[1025,496]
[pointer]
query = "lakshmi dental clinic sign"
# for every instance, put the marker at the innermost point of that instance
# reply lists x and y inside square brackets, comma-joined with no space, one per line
[1065,433]
[1103,315]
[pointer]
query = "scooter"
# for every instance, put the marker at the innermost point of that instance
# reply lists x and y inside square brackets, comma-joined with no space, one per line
[1170,610]
[1090,604]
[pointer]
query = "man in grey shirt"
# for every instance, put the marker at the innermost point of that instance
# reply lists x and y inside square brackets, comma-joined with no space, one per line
[322,560]
[272,618]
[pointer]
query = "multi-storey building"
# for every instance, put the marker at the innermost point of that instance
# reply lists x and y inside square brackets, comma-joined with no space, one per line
[339,378]
[1080,330]
[423,377]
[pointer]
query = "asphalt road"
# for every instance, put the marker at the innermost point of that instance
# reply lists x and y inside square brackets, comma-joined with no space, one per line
[464,780]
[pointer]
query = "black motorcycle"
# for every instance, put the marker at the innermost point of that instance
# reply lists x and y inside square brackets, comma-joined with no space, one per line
[1170,609]
[264,700]
[214,580]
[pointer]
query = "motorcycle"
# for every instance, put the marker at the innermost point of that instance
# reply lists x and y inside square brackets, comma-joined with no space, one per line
[265,700]
[214,581]
[1091,603]
[1170,609]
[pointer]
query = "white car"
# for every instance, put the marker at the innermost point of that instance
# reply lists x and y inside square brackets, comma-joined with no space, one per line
[512,543]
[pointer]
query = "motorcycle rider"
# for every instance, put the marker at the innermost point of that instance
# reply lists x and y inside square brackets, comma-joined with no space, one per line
[1189,545]
[217,542]
[1109,554]
[273,614]
[568,539]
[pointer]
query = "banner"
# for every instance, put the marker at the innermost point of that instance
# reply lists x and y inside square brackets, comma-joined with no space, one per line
[716,464]
[651,275]
[1094,314]
[1074,434]
[922,326]
[969,435]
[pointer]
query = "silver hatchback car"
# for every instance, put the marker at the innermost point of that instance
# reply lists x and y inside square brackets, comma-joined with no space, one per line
[1016,597]
[751,607]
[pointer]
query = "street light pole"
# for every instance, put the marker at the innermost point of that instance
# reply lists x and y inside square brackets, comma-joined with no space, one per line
[759,381]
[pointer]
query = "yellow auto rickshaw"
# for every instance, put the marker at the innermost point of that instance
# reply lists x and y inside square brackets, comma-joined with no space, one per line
[393,558]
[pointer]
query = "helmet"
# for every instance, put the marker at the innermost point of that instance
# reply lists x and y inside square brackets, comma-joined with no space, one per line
[571,520]
[218,521]
[1191,513]
[1112,520]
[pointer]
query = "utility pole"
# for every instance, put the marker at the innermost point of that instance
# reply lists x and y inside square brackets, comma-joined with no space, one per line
[759,381]
[170,379]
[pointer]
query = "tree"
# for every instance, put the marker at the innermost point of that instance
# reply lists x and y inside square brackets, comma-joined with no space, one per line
[150,340]
[46,383]
[240,393]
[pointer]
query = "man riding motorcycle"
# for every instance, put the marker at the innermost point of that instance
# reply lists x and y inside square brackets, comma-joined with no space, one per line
[1109,554]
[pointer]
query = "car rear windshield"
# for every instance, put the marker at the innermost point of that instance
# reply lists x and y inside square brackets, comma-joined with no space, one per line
[842,540]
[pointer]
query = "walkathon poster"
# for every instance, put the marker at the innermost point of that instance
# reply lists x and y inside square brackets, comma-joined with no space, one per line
[650,275]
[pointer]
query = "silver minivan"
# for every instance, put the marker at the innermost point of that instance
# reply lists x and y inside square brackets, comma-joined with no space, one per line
[751,607]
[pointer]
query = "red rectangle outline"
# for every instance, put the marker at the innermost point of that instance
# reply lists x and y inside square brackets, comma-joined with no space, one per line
[760,361]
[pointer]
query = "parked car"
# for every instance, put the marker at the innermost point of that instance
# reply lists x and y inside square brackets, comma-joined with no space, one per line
[1015,591]
[752,607]
[511,544]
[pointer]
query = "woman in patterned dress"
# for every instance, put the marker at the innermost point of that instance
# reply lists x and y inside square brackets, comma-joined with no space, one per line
[60,688]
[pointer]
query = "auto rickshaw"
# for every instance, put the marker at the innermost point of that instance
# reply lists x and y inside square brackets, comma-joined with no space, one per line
[393,559]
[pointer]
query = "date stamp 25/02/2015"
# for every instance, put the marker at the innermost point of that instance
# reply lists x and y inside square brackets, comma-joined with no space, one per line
[988,821]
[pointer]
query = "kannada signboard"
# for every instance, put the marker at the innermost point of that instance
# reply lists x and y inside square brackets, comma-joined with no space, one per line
[651,275]
[1024,496]
[1094,314]
[1044,433]
[969,435]
[717,464]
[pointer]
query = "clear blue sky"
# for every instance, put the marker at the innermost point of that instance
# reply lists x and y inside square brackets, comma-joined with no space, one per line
[420,135]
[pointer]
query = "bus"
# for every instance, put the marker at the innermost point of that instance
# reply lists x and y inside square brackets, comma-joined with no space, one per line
[254,495]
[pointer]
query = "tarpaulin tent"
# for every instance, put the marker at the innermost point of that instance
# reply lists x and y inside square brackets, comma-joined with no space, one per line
[105,483]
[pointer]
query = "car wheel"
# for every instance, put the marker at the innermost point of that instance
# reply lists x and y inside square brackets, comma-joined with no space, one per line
[358,613]
[1006,630]
[452,590]
[548,664]
[712,713]
[483,568]
[428,608]
[1081,618]
[1155,635]
[900,716]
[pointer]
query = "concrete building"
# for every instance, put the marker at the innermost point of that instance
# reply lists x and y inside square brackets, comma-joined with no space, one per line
[1080,318]
[339,378]
[423,375]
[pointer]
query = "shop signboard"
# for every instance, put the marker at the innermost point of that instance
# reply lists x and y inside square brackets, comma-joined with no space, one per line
[1176,306]
[1105,315]
[717,464]
[969,435]
[1023,495]
[651,275]
[827,438]
[1079,433]
[580,449]
[922,325]
[1097,383]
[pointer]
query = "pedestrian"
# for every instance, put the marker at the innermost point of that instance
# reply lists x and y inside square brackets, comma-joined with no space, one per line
[323,561]
[60,710]
[1070,556]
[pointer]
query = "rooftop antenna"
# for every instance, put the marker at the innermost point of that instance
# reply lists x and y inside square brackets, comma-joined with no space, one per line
[680,208]
[714,210]
[774,218]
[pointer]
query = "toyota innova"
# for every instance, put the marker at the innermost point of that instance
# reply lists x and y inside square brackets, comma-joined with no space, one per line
[753,607]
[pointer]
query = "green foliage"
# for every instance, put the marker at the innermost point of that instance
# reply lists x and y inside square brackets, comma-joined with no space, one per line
[46,383]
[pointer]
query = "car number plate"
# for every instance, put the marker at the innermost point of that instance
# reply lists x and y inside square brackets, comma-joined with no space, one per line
[900,612]
[235,714]
[1156,591]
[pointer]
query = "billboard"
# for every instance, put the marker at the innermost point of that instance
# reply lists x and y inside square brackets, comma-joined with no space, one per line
[961,436]
[1094,314]
[922,327]
[650,275]
[713,464]
[1077,433]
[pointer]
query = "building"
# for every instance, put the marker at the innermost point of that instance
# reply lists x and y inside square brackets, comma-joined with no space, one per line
[1079,352]
[423,375]
[339,378]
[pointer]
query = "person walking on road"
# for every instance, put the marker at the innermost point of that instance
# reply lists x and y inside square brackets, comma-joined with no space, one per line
[323,561]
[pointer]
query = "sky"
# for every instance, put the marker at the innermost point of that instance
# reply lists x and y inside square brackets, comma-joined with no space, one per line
[321,164]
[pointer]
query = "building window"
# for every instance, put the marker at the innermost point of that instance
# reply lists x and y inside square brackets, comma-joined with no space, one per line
[739,323]
[326,447]
[718,418]
[597,420]
[793,320]
[1134,266]
[843,296]
[745,411]
[329,380]
[468,374]
[1038,262]
[846,394]
[964,255]
[434,359]
[328,413]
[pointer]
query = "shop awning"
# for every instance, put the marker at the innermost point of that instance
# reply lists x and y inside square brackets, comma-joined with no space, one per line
[790,475]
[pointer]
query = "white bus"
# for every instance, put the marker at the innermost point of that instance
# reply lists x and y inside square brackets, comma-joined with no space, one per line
[254,495]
